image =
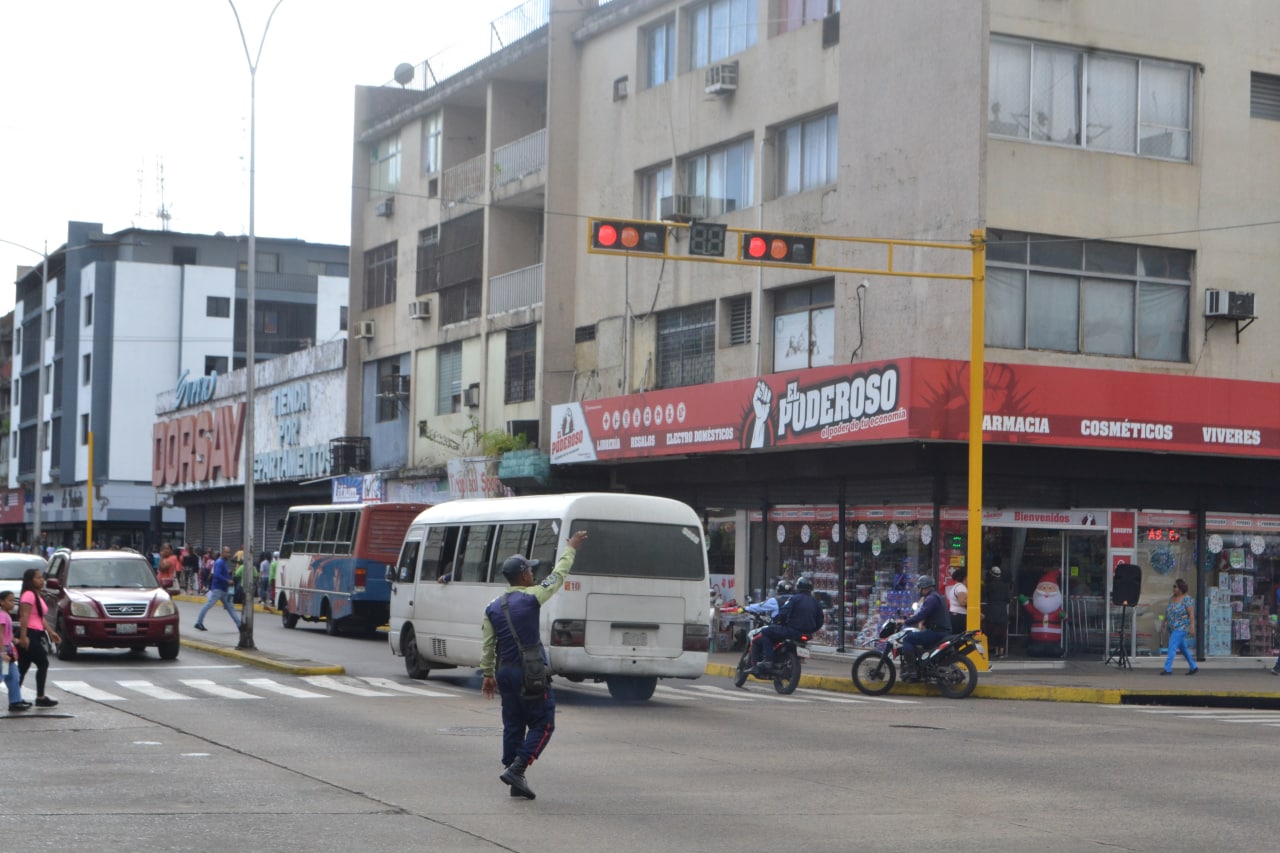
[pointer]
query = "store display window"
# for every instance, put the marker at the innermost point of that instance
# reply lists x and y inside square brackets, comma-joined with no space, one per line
[1241,570]
[1165,550]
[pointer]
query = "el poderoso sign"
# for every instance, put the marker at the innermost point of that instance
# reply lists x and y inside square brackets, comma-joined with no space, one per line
[921,399]
[200,448]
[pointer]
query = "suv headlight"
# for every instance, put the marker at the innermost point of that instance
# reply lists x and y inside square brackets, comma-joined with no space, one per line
[84,609]
[166,608]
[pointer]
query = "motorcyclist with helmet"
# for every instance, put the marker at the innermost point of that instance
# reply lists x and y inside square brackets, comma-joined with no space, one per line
[770,606]
[801,615]
[934,619]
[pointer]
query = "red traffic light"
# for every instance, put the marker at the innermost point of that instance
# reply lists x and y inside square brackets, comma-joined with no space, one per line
[622,235]
[777,248]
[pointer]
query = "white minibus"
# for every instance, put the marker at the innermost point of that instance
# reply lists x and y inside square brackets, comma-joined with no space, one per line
[632,610]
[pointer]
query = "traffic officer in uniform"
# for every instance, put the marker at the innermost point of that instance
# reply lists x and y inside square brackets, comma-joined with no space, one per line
[527,724]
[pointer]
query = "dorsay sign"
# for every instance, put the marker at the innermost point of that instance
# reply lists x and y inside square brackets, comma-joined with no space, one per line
[198,448]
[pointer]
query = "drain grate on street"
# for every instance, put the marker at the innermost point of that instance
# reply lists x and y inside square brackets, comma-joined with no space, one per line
[470,731]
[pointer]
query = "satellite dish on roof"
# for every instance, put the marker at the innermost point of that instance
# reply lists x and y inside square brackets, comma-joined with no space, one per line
[404,74]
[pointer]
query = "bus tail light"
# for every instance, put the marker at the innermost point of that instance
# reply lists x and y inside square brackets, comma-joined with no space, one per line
[362,575]
[569,632]
[697,637]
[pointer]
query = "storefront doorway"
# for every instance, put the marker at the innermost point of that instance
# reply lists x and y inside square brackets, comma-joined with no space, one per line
[1060,573]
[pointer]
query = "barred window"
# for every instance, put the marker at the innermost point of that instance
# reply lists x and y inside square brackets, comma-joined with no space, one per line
[686,346]
[522,362]
[380,276]
[449,379]
[460,302]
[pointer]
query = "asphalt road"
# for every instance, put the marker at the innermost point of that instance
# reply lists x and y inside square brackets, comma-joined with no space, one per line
[179,761]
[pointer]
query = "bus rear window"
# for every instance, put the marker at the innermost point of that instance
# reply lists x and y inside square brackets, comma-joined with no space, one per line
[639,550]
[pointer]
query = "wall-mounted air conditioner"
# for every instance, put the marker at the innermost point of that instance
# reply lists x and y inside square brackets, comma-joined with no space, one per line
[394,385]
[364,329]
[420,310]
[386,207]
[471,396]
[1229,304]
[722,78]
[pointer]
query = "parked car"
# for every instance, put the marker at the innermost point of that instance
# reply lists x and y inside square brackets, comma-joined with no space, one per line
[110,600]
[13,564]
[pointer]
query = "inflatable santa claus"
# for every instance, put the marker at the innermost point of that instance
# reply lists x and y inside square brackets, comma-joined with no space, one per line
[1045,610]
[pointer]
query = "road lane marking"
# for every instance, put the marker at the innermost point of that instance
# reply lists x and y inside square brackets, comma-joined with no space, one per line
[85,690]
[329,682]
[155,691]
[215,689]
[283,689]
[735,694]
[388,684]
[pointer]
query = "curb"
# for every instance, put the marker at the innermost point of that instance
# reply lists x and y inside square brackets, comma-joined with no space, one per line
[254,657]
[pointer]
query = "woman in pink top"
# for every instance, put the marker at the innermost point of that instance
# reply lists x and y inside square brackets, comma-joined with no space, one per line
[9,655]
[30,627]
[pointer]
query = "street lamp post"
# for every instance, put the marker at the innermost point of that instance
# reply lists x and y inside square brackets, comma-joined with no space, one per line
[251,565]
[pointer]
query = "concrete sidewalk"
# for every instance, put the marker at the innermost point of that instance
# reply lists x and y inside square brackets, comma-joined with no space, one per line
[1224,683]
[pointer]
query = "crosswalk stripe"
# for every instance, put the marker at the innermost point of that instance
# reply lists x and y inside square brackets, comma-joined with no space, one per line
[405,688]
[736,694]
[329,682]
[87,691]
[153,690]
[215,689]
[839,700]
[283,689]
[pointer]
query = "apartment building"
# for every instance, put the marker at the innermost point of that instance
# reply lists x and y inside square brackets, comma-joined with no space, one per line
[1113,160]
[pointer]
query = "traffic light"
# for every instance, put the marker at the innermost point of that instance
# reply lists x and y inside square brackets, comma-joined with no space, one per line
[777,248]
[626,236]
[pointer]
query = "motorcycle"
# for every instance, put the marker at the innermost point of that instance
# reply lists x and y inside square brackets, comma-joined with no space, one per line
[946,664]
[787,655]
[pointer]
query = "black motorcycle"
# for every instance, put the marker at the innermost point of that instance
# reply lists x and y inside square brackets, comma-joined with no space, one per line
[946,664]
[785,671]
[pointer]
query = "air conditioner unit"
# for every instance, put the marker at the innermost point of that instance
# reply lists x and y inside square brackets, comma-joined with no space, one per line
[682,208]
[364,329]
[386,207]
[722,78]
[1229,304]
[394,385]
[420,310]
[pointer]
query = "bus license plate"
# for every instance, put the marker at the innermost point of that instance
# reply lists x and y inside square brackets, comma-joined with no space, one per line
[635,638]
[127,628]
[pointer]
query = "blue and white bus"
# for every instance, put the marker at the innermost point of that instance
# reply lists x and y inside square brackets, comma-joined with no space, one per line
[333,564]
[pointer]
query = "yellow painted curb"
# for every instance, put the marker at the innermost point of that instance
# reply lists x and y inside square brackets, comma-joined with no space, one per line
[252,659]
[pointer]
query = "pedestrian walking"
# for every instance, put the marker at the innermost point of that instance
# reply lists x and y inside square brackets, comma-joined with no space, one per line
[958,601]
[35,638]
[264,578]
[1179,618]
[219,590]
[9,655]
[510,630]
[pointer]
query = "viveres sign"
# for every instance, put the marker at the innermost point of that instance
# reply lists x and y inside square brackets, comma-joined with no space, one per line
[198,448]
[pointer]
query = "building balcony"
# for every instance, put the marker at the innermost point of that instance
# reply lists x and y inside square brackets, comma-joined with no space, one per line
[519,178]
[515,290]
[463,183]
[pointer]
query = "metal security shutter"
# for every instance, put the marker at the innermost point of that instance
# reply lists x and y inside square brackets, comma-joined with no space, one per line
[740,320]
[275,514]
[1264,96]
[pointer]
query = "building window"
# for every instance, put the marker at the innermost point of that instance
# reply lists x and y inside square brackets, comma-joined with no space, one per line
[804,326]
[184,256]
[88,309]
[1264,96]
[1100,298]
[660,53]
[738,320]
[460,302]
[794,14]
[380,276]
[342,318]
[17,340]
[391,391]
[217,306]
[86,369]
[522,359]
[384,165]
[584,334]
[655,185]
[449,379]
[268,262]
[329,268]
[686,346]
[51,316]
[215,364]
[432,134]
[807,154]
[428,269]
[13,443]
[84,430]
[1084,98]
[721,177]
[44,435]
[457,259]
[270,322]
[720,28]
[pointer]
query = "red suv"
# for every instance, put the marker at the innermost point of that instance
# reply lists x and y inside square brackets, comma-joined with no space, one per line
[110,600]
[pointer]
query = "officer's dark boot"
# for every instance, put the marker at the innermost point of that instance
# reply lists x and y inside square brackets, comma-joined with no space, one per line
[514,776]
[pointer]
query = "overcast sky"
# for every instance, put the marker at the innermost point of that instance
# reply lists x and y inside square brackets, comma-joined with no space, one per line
[100,100]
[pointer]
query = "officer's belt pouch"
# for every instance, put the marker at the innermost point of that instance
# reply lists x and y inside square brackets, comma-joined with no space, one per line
[535,678]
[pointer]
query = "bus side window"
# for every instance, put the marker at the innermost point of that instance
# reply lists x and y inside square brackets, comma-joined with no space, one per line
[475,553]
[346,532]
[290,530]
[513,538]
[545,540]
[407,565]
[434,561]
[329,537]
[302,539]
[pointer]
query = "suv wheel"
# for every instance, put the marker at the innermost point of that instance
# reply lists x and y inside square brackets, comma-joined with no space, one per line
[169,650]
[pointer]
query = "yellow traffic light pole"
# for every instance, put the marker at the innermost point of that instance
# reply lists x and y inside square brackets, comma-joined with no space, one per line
[658,247]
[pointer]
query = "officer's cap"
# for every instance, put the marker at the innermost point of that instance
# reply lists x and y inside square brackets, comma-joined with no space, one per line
[516,564]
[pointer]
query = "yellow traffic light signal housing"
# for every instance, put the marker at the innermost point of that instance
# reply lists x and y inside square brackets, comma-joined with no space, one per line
[777,248]
[628,236]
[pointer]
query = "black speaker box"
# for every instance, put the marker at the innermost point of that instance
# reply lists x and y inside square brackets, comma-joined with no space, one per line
[1126,585]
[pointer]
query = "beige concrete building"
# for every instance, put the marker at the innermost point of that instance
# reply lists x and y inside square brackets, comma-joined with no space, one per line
[1119,159]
